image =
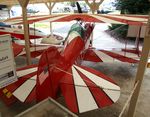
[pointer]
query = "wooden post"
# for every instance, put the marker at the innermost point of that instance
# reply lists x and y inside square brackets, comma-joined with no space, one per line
[24,4]
[137,42]
[94,5]
[9,8]
[50,7]
[140,71]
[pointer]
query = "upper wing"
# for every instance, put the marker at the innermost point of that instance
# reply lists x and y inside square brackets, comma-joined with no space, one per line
[109,56]
[36,51]
[17,33]
[85,89]
[133,51]
[17,49]
[103,18]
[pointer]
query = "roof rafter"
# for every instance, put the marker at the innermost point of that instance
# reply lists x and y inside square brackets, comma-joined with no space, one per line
[15,2]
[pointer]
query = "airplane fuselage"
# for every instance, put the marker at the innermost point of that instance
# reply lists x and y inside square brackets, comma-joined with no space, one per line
[58,64]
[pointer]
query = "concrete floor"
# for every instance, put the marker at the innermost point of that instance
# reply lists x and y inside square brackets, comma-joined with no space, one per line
[123,74]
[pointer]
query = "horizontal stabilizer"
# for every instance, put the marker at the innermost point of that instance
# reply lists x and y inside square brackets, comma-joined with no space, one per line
[24,88]
[107,56]
[85,89]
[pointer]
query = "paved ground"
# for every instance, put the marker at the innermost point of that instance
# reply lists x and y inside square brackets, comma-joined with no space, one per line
[123,74]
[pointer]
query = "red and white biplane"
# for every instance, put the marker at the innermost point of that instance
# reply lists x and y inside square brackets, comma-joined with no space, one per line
[83,88]
[60,70]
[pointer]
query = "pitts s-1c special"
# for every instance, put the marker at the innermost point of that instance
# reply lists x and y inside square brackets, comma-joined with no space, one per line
[60,70]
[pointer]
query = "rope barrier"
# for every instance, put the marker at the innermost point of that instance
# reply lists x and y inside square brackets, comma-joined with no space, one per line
[84,80]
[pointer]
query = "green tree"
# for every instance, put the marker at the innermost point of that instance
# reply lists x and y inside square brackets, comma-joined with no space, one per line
[129,7]
[133,6]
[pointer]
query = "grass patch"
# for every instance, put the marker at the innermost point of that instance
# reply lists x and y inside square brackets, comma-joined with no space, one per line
[40,25]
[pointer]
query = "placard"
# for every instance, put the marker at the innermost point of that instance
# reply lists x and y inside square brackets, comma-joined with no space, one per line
[7,65]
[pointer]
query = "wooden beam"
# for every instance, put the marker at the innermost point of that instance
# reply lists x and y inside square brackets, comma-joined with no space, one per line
[141,70]
[47,5]
[137,41]
[94,5]
[15,2]
[9,9]
[24,4]
[50,6]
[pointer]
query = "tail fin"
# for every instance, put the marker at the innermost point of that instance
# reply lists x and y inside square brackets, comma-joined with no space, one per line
[45,84]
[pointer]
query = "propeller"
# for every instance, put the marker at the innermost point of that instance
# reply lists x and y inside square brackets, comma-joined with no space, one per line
[79,8]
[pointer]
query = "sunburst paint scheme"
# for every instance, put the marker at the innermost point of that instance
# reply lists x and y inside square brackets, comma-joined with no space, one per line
[83,88]
[59,70]
[101,18]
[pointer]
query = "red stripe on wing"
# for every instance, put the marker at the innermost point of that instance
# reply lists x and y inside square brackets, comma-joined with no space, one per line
[68,91]
[97,73]
[17,49]
[27,67]
[89,55]
[120,57]
[134,51]
[99,95]
[35,54]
